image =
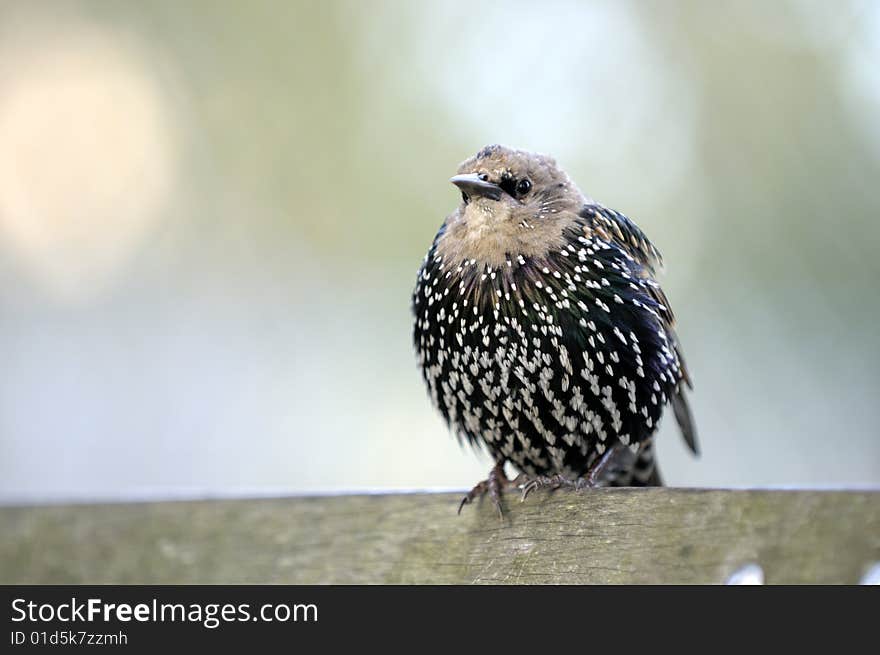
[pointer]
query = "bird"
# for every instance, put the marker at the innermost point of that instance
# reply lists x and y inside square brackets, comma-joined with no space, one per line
[542,333]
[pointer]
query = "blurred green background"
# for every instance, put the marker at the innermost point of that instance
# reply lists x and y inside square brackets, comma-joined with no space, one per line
[212,213]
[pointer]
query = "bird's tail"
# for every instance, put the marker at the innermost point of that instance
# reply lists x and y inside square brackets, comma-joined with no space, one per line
[643,472]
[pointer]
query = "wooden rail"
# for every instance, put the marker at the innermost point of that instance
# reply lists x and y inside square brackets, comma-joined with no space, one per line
[594,536]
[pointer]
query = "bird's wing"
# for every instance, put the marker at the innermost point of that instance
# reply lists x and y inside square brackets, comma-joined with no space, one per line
[680,405]
[614,227]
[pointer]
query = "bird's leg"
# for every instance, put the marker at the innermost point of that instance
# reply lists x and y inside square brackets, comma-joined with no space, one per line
[495,483]
[602,465]
[589,480]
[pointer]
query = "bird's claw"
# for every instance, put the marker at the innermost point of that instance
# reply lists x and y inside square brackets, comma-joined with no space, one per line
[493,485]
[479,490]
[552,482]
[590,480]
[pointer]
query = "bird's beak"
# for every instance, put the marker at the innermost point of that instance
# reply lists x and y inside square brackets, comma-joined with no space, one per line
[472,185]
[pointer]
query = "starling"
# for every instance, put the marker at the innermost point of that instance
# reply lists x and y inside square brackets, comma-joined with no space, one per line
[541,332]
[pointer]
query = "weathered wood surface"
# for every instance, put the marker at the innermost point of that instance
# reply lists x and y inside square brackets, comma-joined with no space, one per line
[596,536]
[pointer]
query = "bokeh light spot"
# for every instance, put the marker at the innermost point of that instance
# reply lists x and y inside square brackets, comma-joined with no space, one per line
[87,154]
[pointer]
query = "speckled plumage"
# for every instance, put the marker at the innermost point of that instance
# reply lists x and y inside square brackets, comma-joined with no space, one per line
[539,327]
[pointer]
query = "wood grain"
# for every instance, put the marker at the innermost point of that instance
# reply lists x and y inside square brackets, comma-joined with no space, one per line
[593,536]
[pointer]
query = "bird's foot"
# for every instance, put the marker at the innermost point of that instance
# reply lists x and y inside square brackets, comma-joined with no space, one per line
[594,477]
[494,485]
[554,482]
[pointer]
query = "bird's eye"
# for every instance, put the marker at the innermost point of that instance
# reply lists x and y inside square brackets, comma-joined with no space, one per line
[523,187]
[484,177]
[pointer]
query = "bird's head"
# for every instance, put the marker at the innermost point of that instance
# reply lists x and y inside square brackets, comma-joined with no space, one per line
[512,203]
